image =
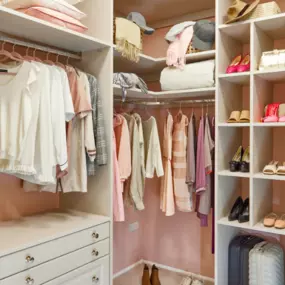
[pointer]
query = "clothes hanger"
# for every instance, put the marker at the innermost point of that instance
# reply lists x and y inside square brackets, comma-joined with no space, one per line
[180,113]
[27,56]
[59,63]
[48,61]
[16,54]
[7,54]
[34,56]
[147,112]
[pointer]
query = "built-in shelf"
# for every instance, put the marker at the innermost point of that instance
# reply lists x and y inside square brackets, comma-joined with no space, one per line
[269,177]
[148,64]
[269,125]
[242,78]
[225,221]
[30,28]
[274,75]
[239,31]
[179,94]
[233,174]
[234,125]
[262,228]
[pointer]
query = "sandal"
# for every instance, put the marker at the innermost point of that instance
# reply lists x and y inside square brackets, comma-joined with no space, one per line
[269,220]
[244,167]
[234,117]
[271,168]
[281,169]
[244,116]
[280,223]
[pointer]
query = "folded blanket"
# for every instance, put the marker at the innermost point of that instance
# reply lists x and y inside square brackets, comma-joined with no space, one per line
[128,39]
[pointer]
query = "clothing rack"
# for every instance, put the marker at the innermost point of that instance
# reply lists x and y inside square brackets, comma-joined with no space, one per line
[7,39]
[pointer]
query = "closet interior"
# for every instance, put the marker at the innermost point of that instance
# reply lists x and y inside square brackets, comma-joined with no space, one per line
[175,242]
[53,237]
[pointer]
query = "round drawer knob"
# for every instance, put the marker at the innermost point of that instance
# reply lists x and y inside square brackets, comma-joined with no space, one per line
[30,281]
[95,235]
[30,259]
[95,279]
[95,252]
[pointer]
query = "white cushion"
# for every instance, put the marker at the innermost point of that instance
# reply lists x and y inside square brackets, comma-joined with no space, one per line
[57,5]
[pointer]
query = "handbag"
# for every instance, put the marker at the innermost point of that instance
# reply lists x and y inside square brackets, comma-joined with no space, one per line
[264,10]
[272,60]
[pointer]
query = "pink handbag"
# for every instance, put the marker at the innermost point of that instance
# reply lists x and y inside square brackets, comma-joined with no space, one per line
[55,17]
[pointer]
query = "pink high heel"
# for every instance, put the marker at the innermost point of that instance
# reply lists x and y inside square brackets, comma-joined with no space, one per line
[233,67]
[244,65]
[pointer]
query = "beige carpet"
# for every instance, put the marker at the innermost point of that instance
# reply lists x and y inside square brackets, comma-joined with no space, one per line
[133,277]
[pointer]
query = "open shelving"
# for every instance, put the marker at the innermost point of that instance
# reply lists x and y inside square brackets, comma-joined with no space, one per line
[252,90]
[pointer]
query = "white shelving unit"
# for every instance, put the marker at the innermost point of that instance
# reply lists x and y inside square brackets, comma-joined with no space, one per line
[252,91]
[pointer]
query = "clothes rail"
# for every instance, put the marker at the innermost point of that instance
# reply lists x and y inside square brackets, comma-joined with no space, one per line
[7,39]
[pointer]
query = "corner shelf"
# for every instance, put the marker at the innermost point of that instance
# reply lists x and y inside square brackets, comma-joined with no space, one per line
[46,33]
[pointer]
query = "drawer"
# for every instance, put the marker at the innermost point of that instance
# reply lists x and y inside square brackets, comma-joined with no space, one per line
[95,273]
[33,256]
[60,266]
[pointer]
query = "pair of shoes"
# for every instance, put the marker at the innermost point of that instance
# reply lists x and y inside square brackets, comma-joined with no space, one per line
[273,168]
[154,277]
[274,113]
[272,220]
[239,117]
[240,211]
[240,161]
[239,64]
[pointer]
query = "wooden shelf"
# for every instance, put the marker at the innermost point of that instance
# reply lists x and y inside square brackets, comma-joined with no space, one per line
[225,221]
[178,94]
[242,78]
[46,33]
[233,125]
[233,174]
[262,228]
[239,31]
[274,75]
[148,64]
[269,125]
[269,177]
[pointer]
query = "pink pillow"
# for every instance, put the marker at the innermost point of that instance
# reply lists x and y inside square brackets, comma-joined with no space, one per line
[57,5]
[55,17]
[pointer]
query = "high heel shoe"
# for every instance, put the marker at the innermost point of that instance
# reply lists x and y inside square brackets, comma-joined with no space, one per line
[236,210]
[235,163]
[233,67]
[244,65]
[244,166]
[244,214]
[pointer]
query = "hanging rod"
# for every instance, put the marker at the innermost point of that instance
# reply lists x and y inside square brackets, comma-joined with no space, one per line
[7,39]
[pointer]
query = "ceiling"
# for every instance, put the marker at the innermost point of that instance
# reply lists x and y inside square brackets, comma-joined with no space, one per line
[158,10]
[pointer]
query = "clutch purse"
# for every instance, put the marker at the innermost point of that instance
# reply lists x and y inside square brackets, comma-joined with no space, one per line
[272,60]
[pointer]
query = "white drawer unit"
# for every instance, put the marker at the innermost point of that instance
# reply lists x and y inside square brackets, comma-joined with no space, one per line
[34,256]
[95,273]
[50,270]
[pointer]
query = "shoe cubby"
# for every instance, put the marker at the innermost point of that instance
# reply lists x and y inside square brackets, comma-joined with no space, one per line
[268,196]
[231,189]
[232,97]
[228,141]
[268,145]
[232,41]
[268,34]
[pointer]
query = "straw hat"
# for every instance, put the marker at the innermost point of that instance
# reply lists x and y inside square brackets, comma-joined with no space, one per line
[239,10]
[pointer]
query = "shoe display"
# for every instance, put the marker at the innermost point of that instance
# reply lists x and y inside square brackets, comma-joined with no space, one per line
[233,67]
[271,168]
[244,167]
[244,214]
[235,163]
[236,210]
[145,276]
[244,65]
[239,117]
[154,278]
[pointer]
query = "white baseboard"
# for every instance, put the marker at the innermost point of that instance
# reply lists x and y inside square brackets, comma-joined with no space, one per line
[165,267]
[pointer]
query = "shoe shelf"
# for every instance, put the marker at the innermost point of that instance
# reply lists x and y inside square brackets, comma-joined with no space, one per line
[252,90]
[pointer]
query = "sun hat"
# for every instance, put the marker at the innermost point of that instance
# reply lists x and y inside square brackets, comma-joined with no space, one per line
[204,35]
[139,19]
[240,10]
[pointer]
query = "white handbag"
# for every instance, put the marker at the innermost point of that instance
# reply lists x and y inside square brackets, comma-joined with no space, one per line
[272,60]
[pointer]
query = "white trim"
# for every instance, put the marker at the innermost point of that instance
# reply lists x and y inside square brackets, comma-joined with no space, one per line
[165,267]
[127,269]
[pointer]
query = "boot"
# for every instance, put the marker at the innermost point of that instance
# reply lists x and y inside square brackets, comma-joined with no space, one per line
[145,277]
[154,278]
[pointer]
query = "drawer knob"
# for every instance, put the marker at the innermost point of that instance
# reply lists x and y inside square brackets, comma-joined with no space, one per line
[95,235]
[95,252]
[95,279]
[30,281]
[30,259]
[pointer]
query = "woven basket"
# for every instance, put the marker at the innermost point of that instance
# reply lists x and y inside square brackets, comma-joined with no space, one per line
[264,10]
[191,49]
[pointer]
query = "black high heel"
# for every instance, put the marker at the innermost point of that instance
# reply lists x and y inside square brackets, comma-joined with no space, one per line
[235,163]
[244,167]
[236,210]
[244,215]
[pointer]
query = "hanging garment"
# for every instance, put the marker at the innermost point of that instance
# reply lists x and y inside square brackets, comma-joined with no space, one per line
[182,196]
[98,127]
[191,157]
[118,204]
[123,147]
[153,159]
[167,203]
[213,187]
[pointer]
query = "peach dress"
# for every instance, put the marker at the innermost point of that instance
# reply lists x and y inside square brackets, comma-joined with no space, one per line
[182,195]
